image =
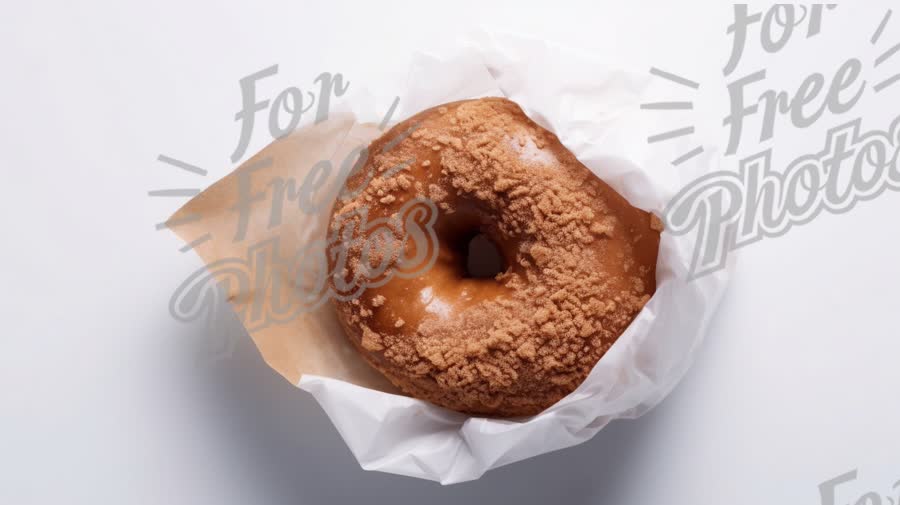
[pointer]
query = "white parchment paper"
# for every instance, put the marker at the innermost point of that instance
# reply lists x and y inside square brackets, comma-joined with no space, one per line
[595,111]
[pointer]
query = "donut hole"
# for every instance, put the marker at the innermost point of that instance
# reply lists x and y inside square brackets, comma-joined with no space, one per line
[482,258]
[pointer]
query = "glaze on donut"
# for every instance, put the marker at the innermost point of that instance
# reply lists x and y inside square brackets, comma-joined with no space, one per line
[579,262]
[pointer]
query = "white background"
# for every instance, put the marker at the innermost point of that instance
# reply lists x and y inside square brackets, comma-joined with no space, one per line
[104,398]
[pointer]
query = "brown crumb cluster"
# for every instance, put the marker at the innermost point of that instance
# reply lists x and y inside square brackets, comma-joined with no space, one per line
[580,263]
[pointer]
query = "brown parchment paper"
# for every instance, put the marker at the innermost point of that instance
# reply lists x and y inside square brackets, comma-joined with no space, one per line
[311,342]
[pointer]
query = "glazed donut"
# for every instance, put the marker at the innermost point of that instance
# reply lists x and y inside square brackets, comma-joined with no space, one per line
[574,261]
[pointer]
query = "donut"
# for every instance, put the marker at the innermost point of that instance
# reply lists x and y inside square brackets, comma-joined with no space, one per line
[536,269]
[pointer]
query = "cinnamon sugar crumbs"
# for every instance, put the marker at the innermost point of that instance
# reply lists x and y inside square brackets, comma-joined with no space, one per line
[371,341]
[572,290]
[656,223]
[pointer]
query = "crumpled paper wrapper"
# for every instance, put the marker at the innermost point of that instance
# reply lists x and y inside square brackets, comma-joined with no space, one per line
[595,112]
